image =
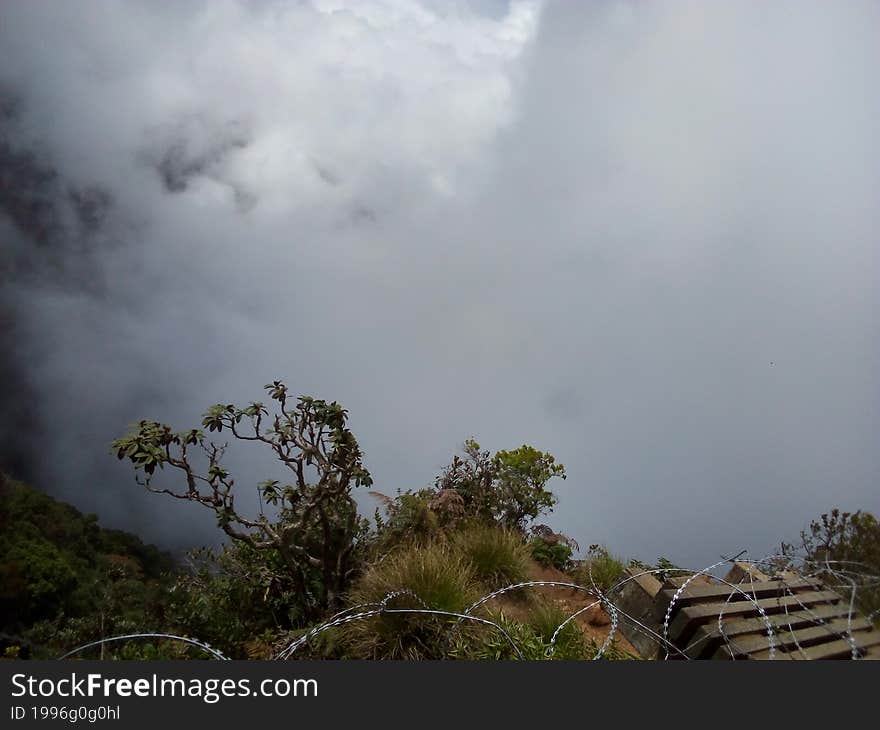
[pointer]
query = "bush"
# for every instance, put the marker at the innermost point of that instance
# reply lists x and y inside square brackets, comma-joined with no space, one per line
[487,643]
[604,569]
[551,553]
[416,517]
[498,555]
[571,643]
[663,570]
[233,594]
[850,543]
[441,578]
[509,487]
[532,636]
[328,644]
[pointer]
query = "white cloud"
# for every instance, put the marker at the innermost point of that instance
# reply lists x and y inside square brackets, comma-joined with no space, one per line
[591,233]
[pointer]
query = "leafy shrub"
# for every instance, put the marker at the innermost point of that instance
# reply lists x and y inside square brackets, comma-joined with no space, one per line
[51,639]
[230,596]
[330,643]
[849,544]
[550,553]
[508,488]
[664,569]
[416,516]
[498,555]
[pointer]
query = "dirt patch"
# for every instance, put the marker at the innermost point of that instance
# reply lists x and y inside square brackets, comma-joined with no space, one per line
[594,622]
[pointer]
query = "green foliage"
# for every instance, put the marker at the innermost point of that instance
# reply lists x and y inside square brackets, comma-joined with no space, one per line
[508,488]
[545,618]
[532,636]
[664,569]
[231,596]
[601,568]
[844,536]
[416,516]
[521,476]
[487,643]
[498,555]
[440,578]
[58,636]
[315,527]
[66,581]
[844,547]
[330,643]
[550,552]
[410,517]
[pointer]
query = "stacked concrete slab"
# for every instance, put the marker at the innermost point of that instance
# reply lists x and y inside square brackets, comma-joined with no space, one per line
[735,618]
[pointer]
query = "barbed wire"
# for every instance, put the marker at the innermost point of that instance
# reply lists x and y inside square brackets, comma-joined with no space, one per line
[207,648]
[791,572]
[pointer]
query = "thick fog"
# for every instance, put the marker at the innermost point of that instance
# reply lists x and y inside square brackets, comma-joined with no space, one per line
[641,236]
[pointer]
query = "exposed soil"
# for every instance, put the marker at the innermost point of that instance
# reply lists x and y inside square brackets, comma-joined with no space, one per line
[595,623]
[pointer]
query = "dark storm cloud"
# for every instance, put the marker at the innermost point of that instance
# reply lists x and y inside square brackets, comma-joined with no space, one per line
[592,233]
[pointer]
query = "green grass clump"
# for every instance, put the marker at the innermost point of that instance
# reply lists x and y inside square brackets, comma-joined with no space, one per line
[545,618]
[571,643]
[441,577]
[499,556]
[488,644]
[605,569]
[532,636]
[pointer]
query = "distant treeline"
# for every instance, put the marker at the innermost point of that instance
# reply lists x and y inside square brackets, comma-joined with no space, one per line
[63,577]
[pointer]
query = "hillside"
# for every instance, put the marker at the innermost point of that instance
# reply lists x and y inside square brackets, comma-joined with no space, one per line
[63,576]
[66,581]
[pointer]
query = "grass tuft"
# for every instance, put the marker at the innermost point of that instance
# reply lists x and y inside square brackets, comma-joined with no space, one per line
[442,578]
[499,556]
[606,570]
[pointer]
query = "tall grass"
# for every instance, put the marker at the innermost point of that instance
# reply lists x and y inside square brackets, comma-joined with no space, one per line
[499,556]
[605,570]
[441,578]
[545,618]
[487,643]
[532,634]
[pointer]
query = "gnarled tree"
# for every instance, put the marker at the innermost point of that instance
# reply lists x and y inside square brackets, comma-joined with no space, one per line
[313,523]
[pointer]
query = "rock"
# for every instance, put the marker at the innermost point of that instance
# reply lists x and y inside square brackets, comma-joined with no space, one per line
[596,616]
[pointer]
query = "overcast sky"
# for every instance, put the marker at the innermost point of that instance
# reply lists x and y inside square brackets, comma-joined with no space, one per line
[641,236]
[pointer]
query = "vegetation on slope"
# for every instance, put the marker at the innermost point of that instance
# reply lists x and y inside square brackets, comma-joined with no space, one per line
[308,554]
[63,577]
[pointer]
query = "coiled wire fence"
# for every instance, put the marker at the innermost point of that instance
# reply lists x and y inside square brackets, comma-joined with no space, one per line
[792,615]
